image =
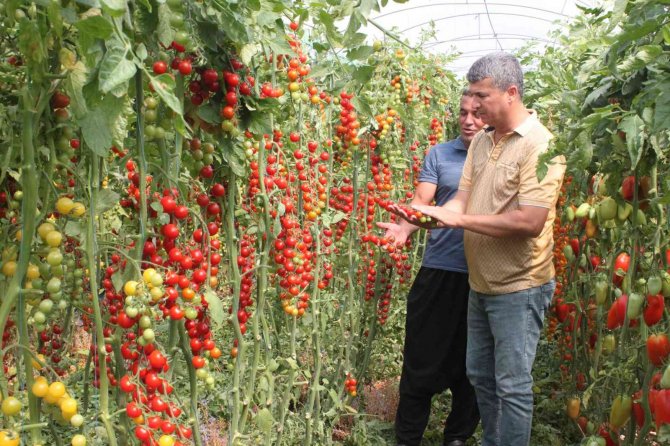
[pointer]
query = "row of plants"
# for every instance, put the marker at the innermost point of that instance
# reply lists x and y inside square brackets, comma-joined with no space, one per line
[603,90]
[188,193]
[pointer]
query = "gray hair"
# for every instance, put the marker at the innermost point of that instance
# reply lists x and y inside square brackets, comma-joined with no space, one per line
[503,68]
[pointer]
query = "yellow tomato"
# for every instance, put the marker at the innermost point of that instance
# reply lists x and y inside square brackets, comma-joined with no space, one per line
[166,440]
[78,209]
[148,274]
[77,420]
[64,205]
[9,438]
[68,406]
[79,440]
[40,387]
[56,390]
[33,272]
[54,239]
[9,268]
[11,406]
[156,293]
[131,288]
[44,229]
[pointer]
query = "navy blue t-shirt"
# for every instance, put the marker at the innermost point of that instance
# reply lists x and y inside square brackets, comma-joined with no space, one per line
[443,166]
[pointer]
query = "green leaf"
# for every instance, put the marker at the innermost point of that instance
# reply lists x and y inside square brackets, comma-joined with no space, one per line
[362,106]
[164,86]
[141,52]
[254,5]
[215,308]
[279,46]
[264,420]
[115,69]
[73,85]
[98,126]
[31,45]
[633,127]
[55,19]
[329,23]
[107,199]
[209,114]
[359,53]
[165,33]
[266,18]
[666,33]
[248,51]
[115,8]
[662,109]
[117,279]
[581,157]
[363,74]
[235,28]
[73,229]
[97,27]
[231,156]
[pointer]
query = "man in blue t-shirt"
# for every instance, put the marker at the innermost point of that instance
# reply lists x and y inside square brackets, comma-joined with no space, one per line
[436,325]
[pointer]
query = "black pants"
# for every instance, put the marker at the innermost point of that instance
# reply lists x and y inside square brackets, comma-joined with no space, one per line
[434,357]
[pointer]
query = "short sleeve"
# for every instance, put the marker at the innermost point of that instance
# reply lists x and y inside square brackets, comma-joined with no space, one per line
[540,193]
[466,177]
[430,170]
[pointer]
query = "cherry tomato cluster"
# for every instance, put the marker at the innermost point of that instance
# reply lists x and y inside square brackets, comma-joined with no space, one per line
[350,384]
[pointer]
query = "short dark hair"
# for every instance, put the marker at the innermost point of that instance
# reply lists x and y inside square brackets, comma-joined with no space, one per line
[503,68]
[466,92]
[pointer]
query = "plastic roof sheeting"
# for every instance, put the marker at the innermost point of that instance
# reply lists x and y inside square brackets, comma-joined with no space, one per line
[475,28]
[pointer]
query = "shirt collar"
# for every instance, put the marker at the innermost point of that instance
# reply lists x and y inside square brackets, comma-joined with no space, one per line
[460,145]
[525,127]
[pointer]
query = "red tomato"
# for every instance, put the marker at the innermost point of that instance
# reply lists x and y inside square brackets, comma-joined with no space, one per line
[170,231]
[160,67]
[658,348]
[662,407]
[621,264]
[209,76]
[574,244]
[617,312]
[157,360]
[60,100]
[653,312]
[627,186]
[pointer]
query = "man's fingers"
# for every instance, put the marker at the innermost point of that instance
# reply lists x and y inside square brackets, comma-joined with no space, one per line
[383,224]
[426,210]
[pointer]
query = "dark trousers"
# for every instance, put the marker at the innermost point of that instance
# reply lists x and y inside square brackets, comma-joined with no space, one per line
[434,357]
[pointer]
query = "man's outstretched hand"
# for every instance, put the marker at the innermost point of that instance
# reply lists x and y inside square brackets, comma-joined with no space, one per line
[395,232]
[412,216]
[443,216]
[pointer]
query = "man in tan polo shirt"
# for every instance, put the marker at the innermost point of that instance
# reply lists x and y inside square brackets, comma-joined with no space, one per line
[507,215]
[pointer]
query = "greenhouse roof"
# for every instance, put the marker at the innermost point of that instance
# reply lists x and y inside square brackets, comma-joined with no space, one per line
[475,28]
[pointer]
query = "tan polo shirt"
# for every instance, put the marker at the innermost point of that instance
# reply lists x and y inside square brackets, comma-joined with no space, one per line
[500,178]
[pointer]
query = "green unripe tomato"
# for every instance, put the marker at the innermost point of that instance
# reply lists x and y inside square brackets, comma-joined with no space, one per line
[39,318]
[46,306]
[54,284]
[57,271]
[191,313]
[160,133]
[151,103]
[150,115]
[149,335]
[132,312]
[145,322]
[54,258]
[181,37]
